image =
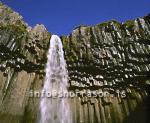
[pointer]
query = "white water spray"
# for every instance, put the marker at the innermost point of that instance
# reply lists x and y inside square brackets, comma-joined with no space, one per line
[55,110]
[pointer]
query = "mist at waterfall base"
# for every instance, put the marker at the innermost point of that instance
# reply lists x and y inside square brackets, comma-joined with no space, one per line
[55,110]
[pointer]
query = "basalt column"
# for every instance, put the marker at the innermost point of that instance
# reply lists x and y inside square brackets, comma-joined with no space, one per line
[111,57]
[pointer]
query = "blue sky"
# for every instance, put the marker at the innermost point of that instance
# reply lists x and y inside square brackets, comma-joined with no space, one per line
[62,16]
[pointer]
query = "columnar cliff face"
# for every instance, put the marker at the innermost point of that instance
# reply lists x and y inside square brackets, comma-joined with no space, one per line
[22,59]
[108,57]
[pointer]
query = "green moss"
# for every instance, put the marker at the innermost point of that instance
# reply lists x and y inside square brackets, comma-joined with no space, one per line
[116,23]
[9,118]
[102,24]
[129,24]
[15,28]
[65,42]
[16,32]
[105,24]
[6,7]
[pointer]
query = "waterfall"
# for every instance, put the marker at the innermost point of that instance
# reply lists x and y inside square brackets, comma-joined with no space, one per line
[55,109]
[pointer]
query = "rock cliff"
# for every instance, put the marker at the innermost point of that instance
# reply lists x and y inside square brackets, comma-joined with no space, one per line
[110,57]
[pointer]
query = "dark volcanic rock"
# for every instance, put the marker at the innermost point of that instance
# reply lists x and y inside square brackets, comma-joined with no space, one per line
[22,59]
[108,57]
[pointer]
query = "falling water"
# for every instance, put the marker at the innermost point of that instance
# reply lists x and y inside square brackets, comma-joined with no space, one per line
[55,110]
